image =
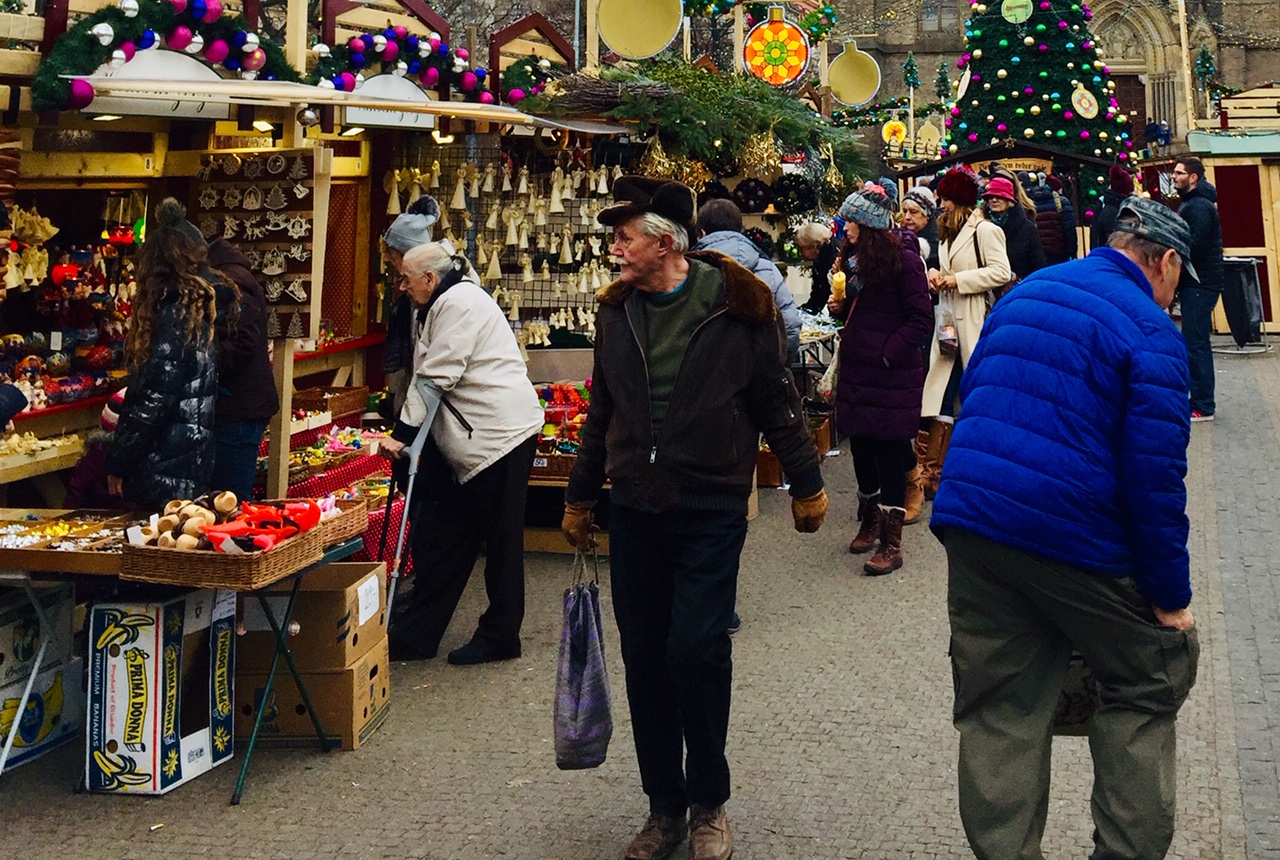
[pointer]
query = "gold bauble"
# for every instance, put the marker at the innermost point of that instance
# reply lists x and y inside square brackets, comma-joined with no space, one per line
[977,55]
[986,86]
[1103,135]
[1028,132]
[1035,110]
[1029,41]
[991,118]
[1002,74]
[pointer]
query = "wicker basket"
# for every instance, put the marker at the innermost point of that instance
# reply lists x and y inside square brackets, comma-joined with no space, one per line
[337,401]
[553,466]
[195,568]
[352,522]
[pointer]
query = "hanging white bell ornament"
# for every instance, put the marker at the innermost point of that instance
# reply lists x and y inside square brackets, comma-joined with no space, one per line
[321,50]
[424,50]
[251,43]
[401,69]
[434,35]
[544,64]
[103,33]
[196,45]
[118,58]
[359,80]
[325,84]
[248,74]
[459,66]
[379,44]
[129,8]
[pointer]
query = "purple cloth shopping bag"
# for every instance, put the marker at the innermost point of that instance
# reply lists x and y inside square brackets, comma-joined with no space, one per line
[583,711]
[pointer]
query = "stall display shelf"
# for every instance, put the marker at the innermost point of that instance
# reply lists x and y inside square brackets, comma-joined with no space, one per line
[16,467]
[335,479]
[306,438]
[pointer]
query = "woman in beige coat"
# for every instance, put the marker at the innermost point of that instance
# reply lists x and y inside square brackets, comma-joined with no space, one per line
[966,239]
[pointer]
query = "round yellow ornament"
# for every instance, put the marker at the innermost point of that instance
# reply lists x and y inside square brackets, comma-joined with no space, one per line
[855,76]
[1085,103]
[894,131]
[776,51]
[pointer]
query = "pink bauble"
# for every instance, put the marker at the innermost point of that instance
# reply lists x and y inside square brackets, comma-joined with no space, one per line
[973,137]
[947,122]
[212,11]
[80,95]
[401,32]
[1002,128]
[348,81]
[434,43]
[179,38]
[128,49]
[463,53]
[255,59]
[1084,134]
[391,52]
[955,111]
[1123,156]
[179,6]
[516,96]
[1088,213]
[431,76]
[356,45]
[486,98]
[216,51]
[1066,114]
[468,81]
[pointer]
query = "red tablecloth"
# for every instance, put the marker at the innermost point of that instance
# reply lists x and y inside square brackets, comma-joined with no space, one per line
[373,538]
[343,476]
[304,438]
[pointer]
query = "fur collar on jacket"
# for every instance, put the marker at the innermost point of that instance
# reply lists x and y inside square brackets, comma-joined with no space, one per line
[748,297]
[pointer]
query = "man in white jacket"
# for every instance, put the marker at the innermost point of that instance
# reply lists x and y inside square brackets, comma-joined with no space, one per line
[470,489]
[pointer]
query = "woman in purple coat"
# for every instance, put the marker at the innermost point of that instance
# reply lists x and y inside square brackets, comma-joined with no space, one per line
[887,316]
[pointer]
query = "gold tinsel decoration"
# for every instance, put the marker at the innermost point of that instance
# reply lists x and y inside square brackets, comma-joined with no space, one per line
[760,157]
[691,172]
[833,177]
[655,163]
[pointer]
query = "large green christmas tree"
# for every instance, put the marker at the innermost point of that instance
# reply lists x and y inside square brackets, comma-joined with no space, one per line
[1031,70]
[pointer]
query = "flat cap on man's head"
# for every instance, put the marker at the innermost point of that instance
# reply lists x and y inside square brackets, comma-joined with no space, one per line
[638,195]
[1157,223]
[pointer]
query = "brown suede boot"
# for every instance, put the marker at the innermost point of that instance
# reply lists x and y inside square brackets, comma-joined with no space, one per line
[935,453]
[888,557]
[709,833]
[869,514]
[659,838]
[915,495]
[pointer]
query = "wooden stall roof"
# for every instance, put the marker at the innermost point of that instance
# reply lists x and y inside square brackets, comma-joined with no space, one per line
[1258,108]
[532,35]
[344,19]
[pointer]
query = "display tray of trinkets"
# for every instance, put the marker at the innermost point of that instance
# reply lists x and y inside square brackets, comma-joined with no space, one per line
[528,223]
[264,203]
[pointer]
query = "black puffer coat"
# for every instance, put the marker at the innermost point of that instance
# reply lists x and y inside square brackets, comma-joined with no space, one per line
[1022,242]
[246,388]
[1104,223]
[164,443]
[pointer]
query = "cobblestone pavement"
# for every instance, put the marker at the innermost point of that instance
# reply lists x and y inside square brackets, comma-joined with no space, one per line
[840,742]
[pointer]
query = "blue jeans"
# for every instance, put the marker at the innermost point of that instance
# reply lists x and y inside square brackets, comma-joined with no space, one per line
[674,578]
[236,456]
[1197,324]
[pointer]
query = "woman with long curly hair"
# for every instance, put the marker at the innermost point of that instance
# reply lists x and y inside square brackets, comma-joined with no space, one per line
[972,261]
[887,317]
[163,447]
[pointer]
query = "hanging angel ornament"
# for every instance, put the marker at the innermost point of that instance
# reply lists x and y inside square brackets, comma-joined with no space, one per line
[531,204]
[415,186]
[435,174]
[467,224]
[494,272]
[595,242]
[492,223]
[506,177]
[513,218]
[513,313]
[393,193]
[584,280]
[490,174]
[526,269]
[460,190]
[444,224]
[566,318]
[13,274]
[554,247]
[545,271]
[575,179]
[566,246]
[482,258]
[579,250]
[617,172]
[602,181]
[557,288]
[523,186]
[556,205]
[540,213]
[473,177]
[523,240]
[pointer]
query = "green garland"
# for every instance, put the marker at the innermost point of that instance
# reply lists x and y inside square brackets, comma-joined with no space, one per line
[339,60]
[816,24]
[78,52]
[881,112]
[528,75]
[709,115]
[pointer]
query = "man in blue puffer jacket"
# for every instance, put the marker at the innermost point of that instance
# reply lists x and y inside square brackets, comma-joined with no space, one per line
[720,225]
[1062,509]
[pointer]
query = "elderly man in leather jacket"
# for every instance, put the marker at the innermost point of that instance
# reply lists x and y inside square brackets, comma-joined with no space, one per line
[689,371]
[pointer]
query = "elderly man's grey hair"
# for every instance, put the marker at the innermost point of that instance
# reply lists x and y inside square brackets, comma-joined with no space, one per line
[656,225]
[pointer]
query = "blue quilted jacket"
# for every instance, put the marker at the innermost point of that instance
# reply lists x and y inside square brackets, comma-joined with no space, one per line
[1072,439]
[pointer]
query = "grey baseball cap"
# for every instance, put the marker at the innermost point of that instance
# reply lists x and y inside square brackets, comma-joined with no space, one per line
[1157,223]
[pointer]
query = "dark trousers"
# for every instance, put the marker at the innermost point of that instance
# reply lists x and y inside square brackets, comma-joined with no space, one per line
[1197,325]
[881,467]
[674,580]
[448,531]
[235,459]
[951,394]
[1015,618]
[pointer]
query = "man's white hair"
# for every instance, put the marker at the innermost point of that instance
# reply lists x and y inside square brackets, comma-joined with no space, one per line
[427,257]
[656,225]
[812,233]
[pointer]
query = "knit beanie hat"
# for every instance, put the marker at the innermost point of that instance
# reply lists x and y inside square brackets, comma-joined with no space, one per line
[1120,180]
[413,228]
[1054,182]
[922,197]
[111,411]
[960,186]
[890,190]
[869,207]
[171,213]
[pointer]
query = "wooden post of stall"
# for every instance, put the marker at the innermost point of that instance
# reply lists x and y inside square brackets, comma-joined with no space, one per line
[739,36]
[592,64]
[688,38]
[278,449]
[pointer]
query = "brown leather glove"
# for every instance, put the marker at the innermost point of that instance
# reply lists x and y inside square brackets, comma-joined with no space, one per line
[578,526]
[808,513]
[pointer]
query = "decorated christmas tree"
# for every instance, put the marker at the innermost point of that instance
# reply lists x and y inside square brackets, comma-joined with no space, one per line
[1031,70]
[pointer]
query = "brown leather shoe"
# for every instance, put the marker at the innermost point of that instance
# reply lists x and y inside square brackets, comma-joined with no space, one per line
[659,837]
[869,513]
[709,833]
[888,557]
